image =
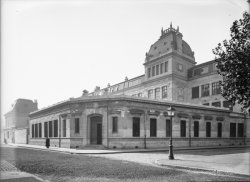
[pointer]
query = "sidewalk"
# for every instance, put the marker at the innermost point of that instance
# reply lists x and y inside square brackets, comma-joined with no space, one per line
[10,173]
[238,163]
[109,151]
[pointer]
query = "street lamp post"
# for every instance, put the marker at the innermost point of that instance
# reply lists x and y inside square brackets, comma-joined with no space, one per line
[171,114]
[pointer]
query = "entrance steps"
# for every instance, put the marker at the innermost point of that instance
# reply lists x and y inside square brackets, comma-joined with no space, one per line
[93,147]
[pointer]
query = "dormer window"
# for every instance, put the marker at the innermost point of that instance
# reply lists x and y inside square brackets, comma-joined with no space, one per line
[155,47]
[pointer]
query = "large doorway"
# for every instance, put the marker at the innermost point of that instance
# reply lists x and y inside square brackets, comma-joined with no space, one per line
[96,130]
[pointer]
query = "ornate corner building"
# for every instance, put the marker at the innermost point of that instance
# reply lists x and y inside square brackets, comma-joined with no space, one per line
[134,113]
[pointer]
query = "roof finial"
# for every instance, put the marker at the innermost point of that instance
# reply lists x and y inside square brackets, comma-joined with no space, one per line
[177,28]
[161,30]
[170,25]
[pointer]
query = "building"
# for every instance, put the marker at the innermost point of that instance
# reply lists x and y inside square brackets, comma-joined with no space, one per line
[16,121]
[133,113]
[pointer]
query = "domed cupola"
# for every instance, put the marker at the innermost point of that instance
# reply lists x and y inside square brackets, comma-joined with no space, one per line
[169,41]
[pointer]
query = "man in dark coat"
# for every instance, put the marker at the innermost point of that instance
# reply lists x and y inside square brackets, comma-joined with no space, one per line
[47,142]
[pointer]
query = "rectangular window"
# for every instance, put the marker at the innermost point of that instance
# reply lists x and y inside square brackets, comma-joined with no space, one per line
[115,124]
[149,72]
[205,90]
[183,128]
[219,133]
[200,71]
[196,128]
[50,128]
[161,68]
[166,66]
[208,129]
[240,129]
[216,104]
[150,94]
[153,127]
[153,71]
[157,93]
[64,128]
[164,92]
[136,127]
[40,130]
[45,129]
[36,130]
[168,128]
[55,128]
[77,125]
[157,69]
[232,129]
[140,94]
[206,104]
[195,92]
[33,131]
[216,88]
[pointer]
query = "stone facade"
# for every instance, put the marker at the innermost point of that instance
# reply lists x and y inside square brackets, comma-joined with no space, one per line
[83,112]
[16,121]
[133,113]
[170,65]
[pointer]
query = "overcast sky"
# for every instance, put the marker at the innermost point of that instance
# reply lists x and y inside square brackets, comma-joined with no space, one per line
[54,49]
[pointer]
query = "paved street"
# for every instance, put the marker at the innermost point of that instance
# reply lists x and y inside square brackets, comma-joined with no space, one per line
[54,166]
[235,160]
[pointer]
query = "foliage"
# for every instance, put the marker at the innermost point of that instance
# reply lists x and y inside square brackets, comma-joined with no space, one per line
[233,63]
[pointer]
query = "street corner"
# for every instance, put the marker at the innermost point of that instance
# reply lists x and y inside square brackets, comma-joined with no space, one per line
[17,176]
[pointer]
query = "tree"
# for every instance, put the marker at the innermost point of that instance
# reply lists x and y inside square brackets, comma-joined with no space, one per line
[233,63]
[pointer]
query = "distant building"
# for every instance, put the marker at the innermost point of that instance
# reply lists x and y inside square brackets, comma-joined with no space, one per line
[133,113]
[16,121]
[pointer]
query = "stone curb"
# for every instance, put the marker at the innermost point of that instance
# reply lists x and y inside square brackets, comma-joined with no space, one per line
[157,162]
[131,151]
